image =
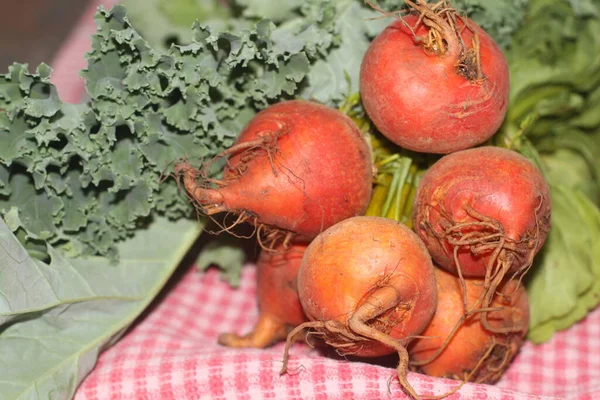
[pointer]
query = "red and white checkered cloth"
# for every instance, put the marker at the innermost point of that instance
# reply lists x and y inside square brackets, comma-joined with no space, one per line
[172,354]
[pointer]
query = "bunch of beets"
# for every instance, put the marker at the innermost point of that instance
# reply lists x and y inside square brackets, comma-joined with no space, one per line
[447,297]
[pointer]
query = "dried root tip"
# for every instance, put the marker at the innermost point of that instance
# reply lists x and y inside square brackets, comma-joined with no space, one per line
[487,298]
[198,184]
[358,324]
[210,201]
[207,194]
[344,339]
[442,39]
[267,331]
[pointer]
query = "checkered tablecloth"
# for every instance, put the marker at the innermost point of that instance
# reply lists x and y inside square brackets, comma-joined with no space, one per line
[171,353]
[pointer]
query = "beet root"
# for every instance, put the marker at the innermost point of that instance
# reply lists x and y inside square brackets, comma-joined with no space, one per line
[471,352]
[297,168]
[434,82]
[278,302]
[366,284]
[483,213]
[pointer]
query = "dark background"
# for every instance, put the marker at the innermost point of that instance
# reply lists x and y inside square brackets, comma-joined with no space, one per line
[31,31]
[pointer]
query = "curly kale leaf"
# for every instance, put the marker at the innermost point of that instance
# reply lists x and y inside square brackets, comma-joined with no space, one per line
[166,22]
[84,177]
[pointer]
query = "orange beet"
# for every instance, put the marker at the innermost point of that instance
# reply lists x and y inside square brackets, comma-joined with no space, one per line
[277,284]
[366,283]
[472,345]
[478,199]
[483,213]
[297,168]
[278,302]
[426,95]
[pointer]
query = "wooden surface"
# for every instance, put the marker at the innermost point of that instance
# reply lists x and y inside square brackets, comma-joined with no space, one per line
[31,31]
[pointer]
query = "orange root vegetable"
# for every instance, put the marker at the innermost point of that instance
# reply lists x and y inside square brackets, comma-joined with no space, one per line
[366,283]
[278,301]
[483,212]
[297,168]
[433,81]
[471,353]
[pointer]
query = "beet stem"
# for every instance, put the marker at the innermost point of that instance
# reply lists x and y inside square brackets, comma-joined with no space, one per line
[434,21]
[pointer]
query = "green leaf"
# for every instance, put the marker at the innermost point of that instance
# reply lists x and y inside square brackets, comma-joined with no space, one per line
[163,22]
[133,203]
[563,285]
[335,76]
[37,210]
[179,115]
[4,187]
[274,82]
[90,174]
[500,19]
[55,318]
[43,99]
[15,142]
[127,164]
[568,167]
[164,145]
[226,254]
[185,12]
[273,10]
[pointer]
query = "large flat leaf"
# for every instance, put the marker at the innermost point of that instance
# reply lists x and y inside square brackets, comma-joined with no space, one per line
[55,318]
[565,282]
